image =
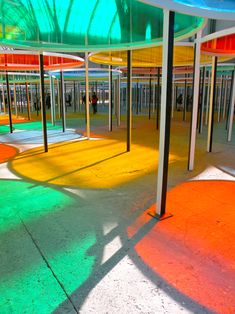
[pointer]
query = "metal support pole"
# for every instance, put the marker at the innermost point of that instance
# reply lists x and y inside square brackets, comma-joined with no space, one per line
[43,103]
[225,96]
[129,99]
[229,101]
[212,105]
[9,103]
[78,97]
[52,92]
[154,96]
[118,101]
[193,126]
[202,100]
[15,101]
[158,98]
[58,99]
[173,98]
[150,96]
[185,98]
[110,100]
[27,99]
[220,98]
[21,100]
[231,113]
[62,98]
[74,96]
[37,106]
[137,98]
[166,102]
[208,98]
[87,97]
[3,99]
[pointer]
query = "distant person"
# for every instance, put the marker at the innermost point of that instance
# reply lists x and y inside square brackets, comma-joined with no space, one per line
[179,102]
[68,100]
[48,101]
[94,100]
[36,103]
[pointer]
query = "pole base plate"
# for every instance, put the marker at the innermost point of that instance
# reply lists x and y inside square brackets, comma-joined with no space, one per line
[160,218]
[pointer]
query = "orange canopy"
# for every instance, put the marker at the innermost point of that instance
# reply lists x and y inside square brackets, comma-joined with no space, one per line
[18,60]
[224,45]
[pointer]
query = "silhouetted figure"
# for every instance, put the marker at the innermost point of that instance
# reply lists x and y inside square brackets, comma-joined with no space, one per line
[179,102]
[94,100]
[48,101]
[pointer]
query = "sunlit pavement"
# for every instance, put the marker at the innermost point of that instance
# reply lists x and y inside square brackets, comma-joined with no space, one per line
[75,229]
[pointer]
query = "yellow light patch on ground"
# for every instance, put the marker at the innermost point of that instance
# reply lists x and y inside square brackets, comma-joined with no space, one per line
[94,164]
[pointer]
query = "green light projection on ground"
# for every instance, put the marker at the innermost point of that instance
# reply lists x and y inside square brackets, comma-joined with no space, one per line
[28,200]
[34,126]
[91,25]
[26,283]
[4,129]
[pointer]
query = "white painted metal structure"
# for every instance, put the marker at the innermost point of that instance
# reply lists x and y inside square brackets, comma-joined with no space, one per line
[195,102]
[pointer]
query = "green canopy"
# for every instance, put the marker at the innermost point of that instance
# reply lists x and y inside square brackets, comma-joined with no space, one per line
[79,25]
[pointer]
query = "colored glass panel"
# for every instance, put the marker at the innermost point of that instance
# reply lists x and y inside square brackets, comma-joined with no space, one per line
[75,25]
[219,46]
[15,61]
[80,75]
[221,5]
[214,9]
[149,57]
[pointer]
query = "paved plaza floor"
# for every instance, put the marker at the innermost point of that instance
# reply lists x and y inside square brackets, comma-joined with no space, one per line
[75,231]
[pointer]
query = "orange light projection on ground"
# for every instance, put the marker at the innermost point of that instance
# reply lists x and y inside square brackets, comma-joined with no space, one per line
[220,46]
[13,61]
[4,119]
[194,251]
[7,152]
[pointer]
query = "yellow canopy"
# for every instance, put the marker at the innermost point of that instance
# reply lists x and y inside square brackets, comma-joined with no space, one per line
[150,57]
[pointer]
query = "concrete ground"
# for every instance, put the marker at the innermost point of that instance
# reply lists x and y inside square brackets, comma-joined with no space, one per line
[75,234]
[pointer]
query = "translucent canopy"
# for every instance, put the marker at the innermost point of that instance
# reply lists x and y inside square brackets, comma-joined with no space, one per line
[79,74]
[224,45]
[68,25]
[225,68]
[22,77]
[215,9]
[25,60]
[149,57]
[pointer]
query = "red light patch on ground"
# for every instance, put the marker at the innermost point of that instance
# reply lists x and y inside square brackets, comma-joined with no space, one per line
[194,251]
[7,152]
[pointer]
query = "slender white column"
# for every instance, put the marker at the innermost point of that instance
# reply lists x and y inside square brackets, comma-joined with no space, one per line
[52,99]
[110,100]
[231,113]
[208,98]
[203,100]
[63,100]
[118,101]
[3,99]
[212,95]
[58,99]
[87,97]
[225,96]
[15,102]
[220,99]
[195,102]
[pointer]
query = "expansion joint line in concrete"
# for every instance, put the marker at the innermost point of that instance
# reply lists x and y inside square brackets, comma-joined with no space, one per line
[48,265]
